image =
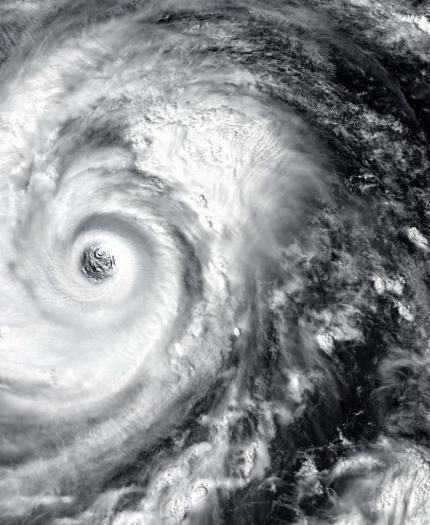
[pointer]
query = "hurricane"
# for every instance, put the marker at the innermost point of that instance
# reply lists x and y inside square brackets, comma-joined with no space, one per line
[214,262]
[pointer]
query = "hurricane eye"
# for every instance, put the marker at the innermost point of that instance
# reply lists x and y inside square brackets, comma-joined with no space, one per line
[98,264]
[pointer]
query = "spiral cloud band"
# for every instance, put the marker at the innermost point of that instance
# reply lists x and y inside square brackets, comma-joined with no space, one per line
[214,262]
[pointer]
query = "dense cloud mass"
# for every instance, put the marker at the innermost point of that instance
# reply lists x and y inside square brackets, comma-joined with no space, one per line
[214,262]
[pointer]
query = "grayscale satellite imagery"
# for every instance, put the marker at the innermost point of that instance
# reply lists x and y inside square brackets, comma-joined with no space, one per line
[214,262]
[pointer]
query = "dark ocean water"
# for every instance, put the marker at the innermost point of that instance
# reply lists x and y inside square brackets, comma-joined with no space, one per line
[214,262]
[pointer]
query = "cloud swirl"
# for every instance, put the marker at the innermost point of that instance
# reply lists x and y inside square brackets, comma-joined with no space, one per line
[211,269]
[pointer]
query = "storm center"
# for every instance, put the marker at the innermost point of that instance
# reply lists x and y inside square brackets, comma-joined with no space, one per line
[97,263]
